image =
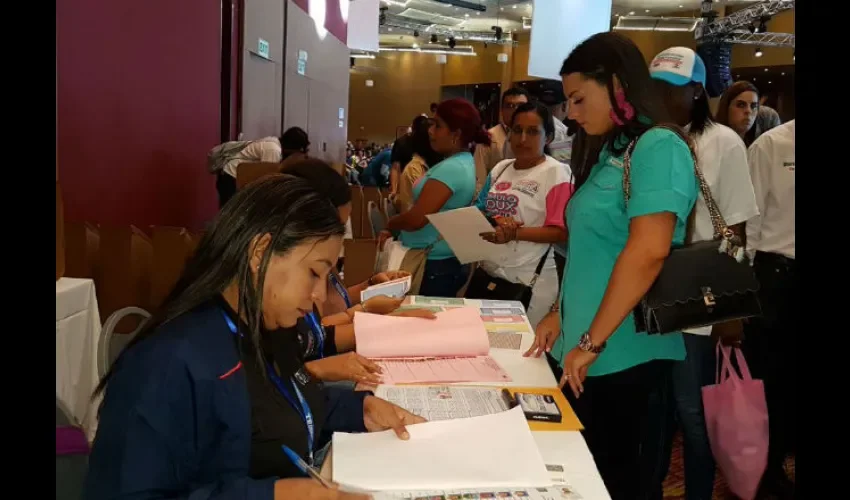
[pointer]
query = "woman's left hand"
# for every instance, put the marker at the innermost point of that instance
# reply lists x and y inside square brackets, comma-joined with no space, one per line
[388,276]
[576,363]
[380,415]
[505,231]
[382,304]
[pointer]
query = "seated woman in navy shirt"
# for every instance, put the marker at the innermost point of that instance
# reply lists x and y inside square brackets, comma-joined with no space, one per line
[203,400]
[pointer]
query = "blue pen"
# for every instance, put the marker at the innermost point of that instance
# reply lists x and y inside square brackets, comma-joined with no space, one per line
[303,466]
[308,470]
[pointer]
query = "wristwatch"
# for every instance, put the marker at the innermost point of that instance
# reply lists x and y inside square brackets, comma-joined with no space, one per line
[586,345]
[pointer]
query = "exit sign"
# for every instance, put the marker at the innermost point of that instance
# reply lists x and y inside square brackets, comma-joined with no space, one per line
[263,48]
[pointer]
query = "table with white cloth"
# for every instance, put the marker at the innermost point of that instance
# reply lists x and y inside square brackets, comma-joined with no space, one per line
[77,335]
[566,448]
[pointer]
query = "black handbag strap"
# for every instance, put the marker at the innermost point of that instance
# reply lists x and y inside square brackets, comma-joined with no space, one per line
[539,268]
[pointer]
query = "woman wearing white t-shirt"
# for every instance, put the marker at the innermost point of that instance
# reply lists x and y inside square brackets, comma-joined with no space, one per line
[526,197]
[722,157]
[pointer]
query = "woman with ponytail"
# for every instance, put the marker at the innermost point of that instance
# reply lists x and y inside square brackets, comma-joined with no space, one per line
[455,130]
[616,250]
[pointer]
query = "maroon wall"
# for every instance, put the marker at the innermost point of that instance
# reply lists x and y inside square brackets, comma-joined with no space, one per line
[138,108]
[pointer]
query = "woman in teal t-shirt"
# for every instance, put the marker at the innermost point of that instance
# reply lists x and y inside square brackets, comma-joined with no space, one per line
[615,252]
[447,185]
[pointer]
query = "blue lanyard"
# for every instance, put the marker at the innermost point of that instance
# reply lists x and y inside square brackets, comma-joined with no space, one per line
[340,289]
[300,405]
[318,332]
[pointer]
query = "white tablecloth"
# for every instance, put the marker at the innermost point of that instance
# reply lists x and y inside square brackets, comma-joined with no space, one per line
[77,334]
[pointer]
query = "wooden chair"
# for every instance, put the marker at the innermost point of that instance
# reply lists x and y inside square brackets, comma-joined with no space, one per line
[357,208]
[247,173]
[172,246]
[60,234]
[126,263]
[360,257]
[82,247]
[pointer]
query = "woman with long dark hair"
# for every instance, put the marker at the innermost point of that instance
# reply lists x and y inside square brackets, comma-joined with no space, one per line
[201,404]
[423,158]
[450,184]
[616,250]
[738,109]
[680,75]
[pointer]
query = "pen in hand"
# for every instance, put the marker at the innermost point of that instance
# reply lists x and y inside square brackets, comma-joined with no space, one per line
[311,471]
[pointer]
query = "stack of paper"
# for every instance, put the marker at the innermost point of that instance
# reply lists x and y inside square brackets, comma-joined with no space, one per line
[395,288]
[492,451]
[451,348]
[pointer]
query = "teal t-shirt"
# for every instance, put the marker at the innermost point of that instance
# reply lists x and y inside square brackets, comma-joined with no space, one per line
[457,172]
[663,180]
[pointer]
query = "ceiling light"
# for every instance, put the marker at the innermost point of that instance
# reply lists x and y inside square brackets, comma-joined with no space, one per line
[514,7]
[783,73]
[681,6]
[389,29]
[501,8]
[466,15]
[765,70]
[754,78]
[647,10]
[759,53]
[415,45]
[477,13]
[769,82]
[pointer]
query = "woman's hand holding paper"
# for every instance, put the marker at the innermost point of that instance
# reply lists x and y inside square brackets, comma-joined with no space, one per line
[380,415]
[382,304]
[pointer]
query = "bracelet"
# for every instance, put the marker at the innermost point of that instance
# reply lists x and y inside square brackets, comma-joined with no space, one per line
[555,307]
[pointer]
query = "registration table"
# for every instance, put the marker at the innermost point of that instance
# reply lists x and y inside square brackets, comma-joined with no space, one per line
[566,448]
[77,334]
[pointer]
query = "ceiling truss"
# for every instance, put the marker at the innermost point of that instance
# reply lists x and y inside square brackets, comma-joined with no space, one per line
[735,28]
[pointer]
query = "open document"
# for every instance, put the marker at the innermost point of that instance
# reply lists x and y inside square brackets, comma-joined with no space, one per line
[492,451]
[454,347]
[395,288]
[462,228]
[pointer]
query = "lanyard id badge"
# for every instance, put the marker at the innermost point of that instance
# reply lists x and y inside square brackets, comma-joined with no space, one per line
[298,403]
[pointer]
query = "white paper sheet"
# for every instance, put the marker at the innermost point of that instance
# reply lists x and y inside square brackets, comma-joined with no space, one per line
[491,451]
[461,228]
[395,288]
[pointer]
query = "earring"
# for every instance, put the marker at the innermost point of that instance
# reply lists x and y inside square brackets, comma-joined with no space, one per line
[623,105]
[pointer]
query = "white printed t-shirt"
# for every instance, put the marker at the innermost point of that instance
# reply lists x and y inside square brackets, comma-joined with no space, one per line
[722,157]
[536,197]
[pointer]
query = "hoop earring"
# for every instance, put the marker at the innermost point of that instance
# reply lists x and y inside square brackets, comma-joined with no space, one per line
[624,106]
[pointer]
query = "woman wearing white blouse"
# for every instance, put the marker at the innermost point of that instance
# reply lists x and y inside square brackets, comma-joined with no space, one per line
[526,196]
[722,157]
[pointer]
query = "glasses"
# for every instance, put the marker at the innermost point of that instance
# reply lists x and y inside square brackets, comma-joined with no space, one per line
[530,131]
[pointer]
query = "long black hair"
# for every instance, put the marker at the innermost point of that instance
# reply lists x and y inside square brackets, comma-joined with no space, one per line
[602,57]
[421,143]
[323,178]
[546,119]
[282,206]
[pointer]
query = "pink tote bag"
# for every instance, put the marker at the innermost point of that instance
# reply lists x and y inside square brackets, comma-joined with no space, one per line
[736,420]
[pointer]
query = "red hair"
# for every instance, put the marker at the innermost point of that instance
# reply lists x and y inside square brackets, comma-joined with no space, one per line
[460,114]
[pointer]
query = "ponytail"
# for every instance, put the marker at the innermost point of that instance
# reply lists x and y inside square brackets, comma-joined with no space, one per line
[482,137]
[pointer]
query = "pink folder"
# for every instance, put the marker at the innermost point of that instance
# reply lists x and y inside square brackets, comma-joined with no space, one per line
[457,332]
[451,348]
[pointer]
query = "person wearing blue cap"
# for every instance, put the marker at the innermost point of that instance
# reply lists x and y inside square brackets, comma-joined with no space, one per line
[722,157]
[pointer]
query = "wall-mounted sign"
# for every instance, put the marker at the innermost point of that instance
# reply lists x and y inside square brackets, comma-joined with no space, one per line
[342,113]
[341,124]
[370,83]
[263,48]
[302,62]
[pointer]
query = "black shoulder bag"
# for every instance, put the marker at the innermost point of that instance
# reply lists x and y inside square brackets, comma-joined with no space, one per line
[701,284]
